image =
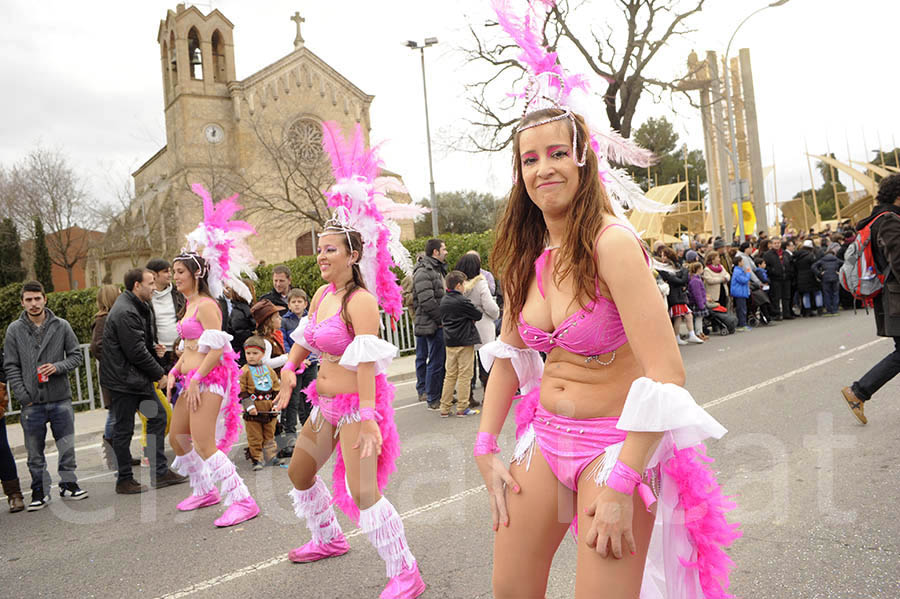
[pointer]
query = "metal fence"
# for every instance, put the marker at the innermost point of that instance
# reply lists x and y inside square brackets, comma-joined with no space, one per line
[86,386]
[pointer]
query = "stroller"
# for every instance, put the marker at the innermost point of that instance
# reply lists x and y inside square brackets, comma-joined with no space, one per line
[719,321]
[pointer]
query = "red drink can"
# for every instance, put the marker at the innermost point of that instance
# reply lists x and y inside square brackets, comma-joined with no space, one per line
[42,378]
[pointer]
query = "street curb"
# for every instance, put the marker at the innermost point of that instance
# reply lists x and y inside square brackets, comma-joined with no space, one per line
[96,436]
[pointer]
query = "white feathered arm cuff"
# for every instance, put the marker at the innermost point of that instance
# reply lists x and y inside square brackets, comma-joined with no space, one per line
[297,335]
[526,362]
[369,348]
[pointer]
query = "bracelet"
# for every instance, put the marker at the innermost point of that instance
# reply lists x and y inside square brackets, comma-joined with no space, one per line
[174,373]
[367,414]
[289,366]
[192,376]
[623,478]
[485,443]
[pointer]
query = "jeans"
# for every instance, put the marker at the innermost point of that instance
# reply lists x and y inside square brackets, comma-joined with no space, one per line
[832,296]
[740,306]
[879,374]
[430,355]
[124,406]
[809,297]
[110,424]
[298,408]
[61,417]
[7,461]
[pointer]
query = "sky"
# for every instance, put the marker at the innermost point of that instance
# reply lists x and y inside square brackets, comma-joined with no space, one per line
[84,78]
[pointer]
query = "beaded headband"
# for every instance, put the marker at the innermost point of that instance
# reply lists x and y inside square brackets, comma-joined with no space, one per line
[537,99]
[339,224]
[202,269]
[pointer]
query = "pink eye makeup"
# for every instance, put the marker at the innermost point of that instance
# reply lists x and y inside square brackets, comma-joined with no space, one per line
[557,151]
[328,249]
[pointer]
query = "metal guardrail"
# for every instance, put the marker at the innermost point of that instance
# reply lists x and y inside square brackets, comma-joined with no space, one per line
[86,385]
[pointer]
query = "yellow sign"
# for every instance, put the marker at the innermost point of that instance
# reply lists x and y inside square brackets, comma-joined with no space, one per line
[749,218]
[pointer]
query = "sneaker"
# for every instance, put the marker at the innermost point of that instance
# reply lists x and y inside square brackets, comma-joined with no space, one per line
[445,414]
[38,500]
[423,397]
[693,338]
[680,341]
[71,492]
[274,462]
[434,405]
[168,479]
[257,465]
[129,486]
[853,403]
[743,329]
[468,412]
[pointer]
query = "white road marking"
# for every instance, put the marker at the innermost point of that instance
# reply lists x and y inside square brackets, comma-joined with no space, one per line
[788,375]
[213,582]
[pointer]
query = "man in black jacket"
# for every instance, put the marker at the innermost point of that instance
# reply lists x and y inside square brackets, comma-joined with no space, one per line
[428,289]
[885,240]
[775,271]
[128,370]
[281,284]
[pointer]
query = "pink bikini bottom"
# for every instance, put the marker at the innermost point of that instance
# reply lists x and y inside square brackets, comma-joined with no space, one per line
[569,445]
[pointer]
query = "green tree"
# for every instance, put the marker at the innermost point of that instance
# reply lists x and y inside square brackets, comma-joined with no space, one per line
[461,212]
[11,270]
[42,264]
[658,135]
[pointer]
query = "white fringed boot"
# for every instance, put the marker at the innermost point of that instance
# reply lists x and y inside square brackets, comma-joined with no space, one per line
[384,528]
[241,506]
[204,491]
[314,506]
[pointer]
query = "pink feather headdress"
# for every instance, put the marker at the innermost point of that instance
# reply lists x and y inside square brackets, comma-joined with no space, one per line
[551,86]
[221,242]
[360,201]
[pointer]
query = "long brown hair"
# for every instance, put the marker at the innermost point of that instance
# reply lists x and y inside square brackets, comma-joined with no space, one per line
[106,297]
[522,232]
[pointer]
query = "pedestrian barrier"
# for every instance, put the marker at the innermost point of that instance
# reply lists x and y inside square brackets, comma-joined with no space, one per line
[86,385]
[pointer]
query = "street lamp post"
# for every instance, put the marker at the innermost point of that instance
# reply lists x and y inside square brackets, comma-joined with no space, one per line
[429,41]
[740,184]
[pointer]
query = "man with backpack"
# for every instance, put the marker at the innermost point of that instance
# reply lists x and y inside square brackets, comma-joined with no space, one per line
[877,248]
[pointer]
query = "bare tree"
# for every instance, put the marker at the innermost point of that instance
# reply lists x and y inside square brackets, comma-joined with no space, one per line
[619,52]
[286,184]
[43,185]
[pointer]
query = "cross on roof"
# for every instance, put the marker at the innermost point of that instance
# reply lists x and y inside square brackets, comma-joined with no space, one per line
[298,41]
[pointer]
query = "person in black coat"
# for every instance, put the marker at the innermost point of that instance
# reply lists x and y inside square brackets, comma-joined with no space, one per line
[790,280]
[128,369]
[677,279]
[241,324]
[428,289]
[458,316]
[807,285]
[775,271]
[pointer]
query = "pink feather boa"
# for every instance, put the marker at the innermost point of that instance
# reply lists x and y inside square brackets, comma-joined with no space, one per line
[699,495]
[344,403]
[704,517]
[227,375]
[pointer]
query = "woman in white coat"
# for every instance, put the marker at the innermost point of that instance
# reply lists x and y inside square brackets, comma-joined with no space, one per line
[479,293]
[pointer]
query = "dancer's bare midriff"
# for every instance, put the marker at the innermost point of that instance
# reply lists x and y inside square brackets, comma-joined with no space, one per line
[334,379]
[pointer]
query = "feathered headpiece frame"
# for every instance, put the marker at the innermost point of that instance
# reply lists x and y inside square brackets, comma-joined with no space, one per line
[551,86]
[221,242]
[360,200]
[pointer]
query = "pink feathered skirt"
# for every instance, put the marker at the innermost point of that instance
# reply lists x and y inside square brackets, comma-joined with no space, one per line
[343,408]
[224,380]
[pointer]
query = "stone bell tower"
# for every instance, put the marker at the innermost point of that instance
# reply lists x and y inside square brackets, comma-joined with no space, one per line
[197,59]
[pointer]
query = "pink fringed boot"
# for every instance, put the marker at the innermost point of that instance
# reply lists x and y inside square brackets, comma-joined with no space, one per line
[383,527]
[204,491]
[314,505]
[241,506]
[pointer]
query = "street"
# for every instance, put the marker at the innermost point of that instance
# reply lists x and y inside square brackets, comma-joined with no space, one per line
[816,493]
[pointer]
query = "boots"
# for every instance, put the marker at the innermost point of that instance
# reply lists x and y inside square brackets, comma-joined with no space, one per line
[384,529]
[205,492]
[314,505]
[14,495]
[241,506]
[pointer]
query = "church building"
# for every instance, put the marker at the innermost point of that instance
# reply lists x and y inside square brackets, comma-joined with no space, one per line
[260,137]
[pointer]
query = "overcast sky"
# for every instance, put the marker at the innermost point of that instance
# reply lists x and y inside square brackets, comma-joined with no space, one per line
[84,77]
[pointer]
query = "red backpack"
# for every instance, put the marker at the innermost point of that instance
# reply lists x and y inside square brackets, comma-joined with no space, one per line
[859,274]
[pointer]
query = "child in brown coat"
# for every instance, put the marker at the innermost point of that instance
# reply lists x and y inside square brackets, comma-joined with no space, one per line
[259,386]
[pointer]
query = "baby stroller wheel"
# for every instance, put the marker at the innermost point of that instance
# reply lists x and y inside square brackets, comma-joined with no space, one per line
[724,332]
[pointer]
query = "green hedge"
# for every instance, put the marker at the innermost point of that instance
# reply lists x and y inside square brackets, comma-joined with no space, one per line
[78,307]
[305,273]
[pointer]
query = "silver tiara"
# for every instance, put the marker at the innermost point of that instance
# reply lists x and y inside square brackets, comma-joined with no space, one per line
[539,97]
[185,255]
[339,223]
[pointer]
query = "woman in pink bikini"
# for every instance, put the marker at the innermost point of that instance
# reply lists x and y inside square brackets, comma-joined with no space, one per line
[206,418]
[351,397]
[606,413]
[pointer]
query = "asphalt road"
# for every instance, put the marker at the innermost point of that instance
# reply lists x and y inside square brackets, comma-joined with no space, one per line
[817,497]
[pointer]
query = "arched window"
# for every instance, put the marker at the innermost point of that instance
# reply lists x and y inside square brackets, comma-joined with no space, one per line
[305,140]
[306,244]
[173,58]
[218,48]
[195,55]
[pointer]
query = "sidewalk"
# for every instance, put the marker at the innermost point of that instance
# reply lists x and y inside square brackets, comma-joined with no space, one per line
[89,425]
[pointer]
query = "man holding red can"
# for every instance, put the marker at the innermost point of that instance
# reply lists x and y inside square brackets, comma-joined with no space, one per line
[40,350]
